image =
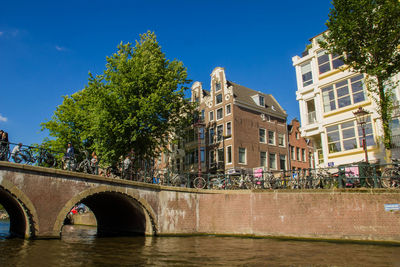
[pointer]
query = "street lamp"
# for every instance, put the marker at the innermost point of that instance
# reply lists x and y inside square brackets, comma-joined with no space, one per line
[362,117]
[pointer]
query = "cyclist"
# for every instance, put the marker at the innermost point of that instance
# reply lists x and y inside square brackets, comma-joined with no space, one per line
[15,154]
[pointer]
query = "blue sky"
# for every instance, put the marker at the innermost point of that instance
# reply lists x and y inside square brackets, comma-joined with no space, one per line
[47,48]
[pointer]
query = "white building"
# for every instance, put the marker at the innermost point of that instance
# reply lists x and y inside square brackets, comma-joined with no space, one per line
[328,94]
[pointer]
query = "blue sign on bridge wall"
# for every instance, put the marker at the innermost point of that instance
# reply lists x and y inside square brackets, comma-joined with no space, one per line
[392,207]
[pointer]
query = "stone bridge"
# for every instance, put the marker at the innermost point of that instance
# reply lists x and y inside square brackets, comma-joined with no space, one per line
[38,200]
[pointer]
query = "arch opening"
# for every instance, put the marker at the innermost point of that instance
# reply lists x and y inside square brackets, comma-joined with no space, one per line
[117,214]
[17,219]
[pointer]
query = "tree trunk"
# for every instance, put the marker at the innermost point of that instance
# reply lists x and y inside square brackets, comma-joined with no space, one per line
[385,116]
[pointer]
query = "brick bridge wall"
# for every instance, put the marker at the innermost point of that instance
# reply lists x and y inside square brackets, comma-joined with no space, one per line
[323,214]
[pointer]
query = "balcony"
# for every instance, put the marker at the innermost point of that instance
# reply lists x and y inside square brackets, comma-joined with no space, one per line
[312,117]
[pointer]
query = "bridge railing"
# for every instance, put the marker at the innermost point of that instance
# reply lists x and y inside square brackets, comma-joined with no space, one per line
[354,175]
[23,154]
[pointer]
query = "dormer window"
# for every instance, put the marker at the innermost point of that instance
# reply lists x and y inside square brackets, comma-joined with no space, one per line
[261,100]
[217,86]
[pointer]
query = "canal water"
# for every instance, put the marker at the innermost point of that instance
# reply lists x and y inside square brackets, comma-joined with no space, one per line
[80,247]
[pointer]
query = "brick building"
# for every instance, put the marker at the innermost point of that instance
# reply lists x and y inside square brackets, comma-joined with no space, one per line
[300,148]
[241,129]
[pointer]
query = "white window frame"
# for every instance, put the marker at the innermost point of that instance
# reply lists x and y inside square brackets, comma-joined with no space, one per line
[266,159]
[226,130]
[226,109]
[261,97]
[274,137]
[283,138]
[218,86]
[332,90]
[305,69]
[245,156]
[260,136]
[222,99]
[222,114]
[211,115]
[270,162]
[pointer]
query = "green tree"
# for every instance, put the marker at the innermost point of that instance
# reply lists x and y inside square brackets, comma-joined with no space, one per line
[368,33]
[137,105]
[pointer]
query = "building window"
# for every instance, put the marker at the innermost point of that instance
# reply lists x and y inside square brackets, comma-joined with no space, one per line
[202,154]
[229,154]
[211,115]
[220,132]
[217,86]
[272,161]
[281,139]
[343,93]
[263,159]
[212,134]
[344,136]
[218,99]
[298,153]
[228,109]
[242,155]
[228,129]
[202,114]
[303,154]
[271,137]
[261,100]
[327,62]
[306,74]
[282,162]
[262,135]
[292,152]
[220,113]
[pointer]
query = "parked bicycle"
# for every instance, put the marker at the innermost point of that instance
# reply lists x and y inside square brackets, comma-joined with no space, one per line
[219,182]
[199,182]
[85,165]
[391,175]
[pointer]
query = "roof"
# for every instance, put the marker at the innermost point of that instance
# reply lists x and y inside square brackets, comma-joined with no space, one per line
[243,95]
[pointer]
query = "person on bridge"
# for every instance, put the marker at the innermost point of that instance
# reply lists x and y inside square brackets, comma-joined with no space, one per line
[70,156]
[94,163]
[126,168]
[15,154]
[4,146]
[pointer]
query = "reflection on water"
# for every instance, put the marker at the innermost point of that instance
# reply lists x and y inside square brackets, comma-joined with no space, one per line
[4,229]
[80,247]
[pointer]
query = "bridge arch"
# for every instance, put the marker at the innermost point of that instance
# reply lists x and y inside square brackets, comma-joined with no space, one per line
[22,212]
[117,211]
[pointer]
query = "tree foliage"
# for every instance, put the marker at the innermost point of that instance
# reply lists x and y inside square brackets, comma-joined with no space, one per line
[137,105]
[368,33]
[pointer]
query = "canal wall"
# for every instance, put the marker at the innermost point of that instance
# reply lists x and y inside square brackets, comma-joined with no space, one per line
[317,214]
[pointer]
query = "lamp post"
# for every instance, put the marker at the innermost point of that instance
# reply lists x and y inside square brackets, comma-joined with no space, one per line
[362,117]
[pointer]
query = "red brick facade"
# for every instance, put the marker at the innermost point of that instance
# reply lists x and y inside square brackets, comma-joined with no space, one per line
[243,129]
[300,148]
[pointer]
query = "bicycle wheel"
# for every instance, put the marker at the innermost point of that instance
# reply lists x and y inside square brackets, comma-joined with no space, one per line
[26,156]
[199,183]
[387,177]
